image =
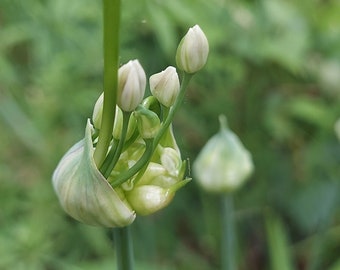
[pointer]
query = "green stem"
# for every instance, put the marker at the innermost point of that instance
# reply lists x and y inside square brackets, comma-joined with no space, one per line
[228,233]
[165,112]
[186,79]
[111,21]
[109,156]
[124,251]
[118,151]
[124,176]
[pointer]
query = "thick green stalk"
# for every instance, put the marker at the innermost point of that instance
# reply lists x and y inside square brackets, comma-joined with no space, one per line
[111,22]
[124,251]
[111,19]
[228,233]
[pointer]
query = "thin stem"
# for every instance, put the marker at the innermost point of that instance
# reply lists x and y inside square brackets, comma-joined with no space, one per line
[228,233]
[165,112]
[124,251]
[115,157]
[124,176]
[186,79]
[111,20]
[109,156]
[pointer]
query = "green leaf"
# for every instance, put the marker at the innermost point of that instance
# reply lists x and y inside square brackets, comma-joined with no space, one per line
[278,243]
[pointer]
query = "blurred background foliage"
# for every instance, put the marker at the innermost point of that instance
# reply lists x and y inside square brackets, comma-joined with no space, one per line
[273,69]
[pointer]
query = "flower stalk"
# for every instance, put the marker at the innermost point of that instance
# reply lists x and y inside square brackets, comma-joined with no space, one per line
[124,251]
[228,233]
[111,22]
[185,81]
[118,150]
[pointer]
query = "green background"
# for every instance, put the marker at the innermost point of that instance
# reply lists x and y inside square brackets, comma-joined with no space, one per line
[273,70]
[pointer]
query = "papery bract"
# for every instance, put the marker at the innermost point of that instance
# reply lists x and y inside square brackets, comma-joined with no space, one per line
[84,193]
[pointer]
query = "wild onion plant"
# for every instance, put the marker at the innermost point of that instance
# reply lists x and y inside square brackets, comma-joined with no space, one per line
[129,163]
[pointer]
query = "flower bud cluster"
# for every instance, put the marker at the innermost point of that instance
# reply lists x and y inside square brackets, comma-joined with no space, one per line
[143,167]
[157,185]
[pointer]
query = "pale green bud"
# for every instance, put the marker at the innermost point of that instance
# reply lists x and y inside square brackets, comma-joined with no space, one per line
[157,186]
[98,111]
[152,104]
[165,86]
[83,191]
[118,125]
[148,199]
[193,50]
[131,85]
[157,175]
[148,123]
[171,160]
[128,158]
[223,164]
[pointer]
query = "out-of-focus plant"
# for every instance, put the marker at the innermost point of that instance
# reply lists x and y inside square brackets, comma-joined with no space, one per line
[222,167]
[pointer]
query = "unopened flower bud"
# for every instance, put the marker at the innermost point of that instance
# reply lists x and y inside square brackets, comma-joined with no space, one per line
[223,164]
[148,123]
[157,175]
[148,199]
[152,104]
[131,85]
[118,125]
[165,86]
[193,50]
[156,186]
[171,160]
[98,111]
[83,191]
